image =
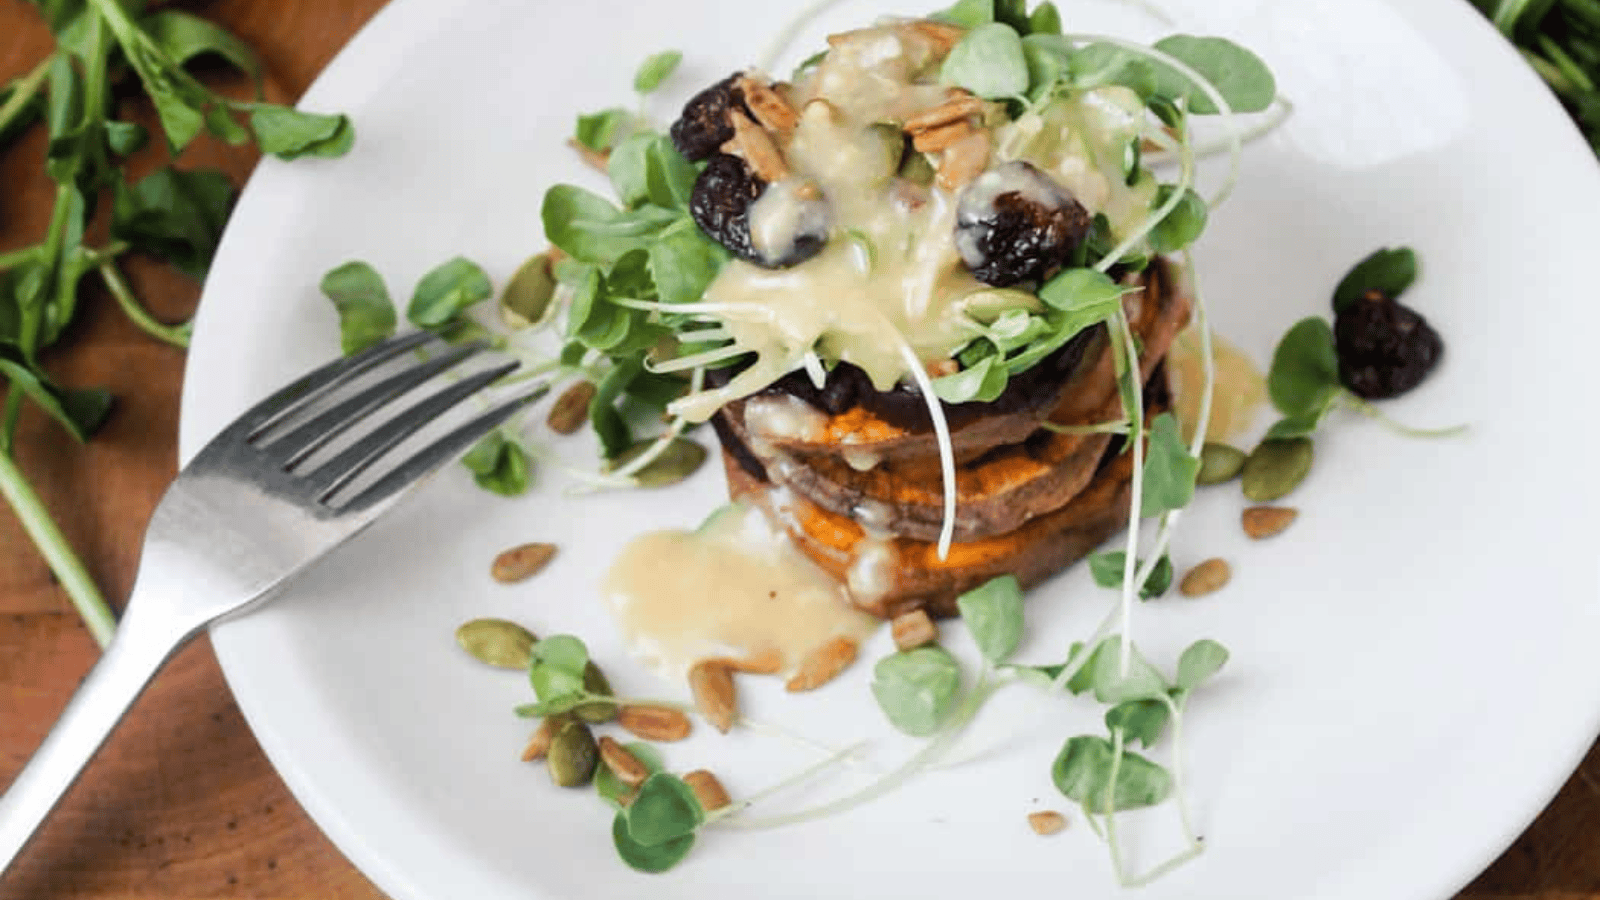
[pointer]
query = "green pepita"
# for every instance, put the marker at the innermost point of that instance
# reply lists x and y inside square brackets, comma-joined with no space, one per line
[573,755]
[1219,463]
[497,642]
[526,300]
[1276,467]
[678,461]
[595,682]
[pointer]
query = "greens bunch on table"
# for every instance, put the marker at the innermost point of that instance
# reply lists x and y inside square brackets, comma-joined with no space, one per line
[1561,40]
[173,215]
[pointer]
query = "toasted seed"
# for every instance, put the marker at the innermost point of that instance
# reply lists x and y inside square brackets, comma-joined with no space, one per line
[956,109]
[752,142]
[770,109]
[595,158]
[622,763]
[1219,463]
[1265,521]
[963,161]
[707,789]
[521,562]
[573,755]
[942,137]
[823,664]
[680,460]
[571,409]
[497,642]
[526,299]
[913,629]
[654,723]
[943,36]
[1046,821]
[1208,576]
[594,681]
[711,682]
[539,744]
[766,662]
[1276,467]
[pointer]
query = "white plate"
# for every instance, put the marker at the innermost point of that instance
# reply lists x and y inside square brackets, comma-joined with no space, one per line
[1414,667]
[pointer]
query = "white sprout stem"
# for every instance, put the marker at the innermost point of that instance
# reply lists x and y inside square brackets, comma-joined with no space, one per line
[724,310]
[1131,369]
[696,360]
[1118,427]
[1158,872]
[1185,180]
[941,431]
[705,334]
[778,731]
[1282,109]
[1177,771]
[1111,808]
[1072,665]
[665,440]
[929,754]
[1351,401]
[721,816]
[1224,109]
[813,364]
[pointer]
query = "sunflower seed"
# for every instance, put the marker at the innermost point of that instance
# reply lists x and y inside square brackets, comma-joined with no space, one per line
[1046,821]
[654,723]
[1265,521]
[571,409]
[707,789]
[521,562]
[823,664]
[711,682]
[622,763]
[1208,576]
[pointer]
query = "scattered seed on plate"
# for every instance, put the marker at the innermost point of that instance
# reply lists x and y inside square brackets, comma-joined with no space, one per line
[654,723]
[707,789]
[1219,463]
[497,642]
[711,682]
[622,763]
[1265,521]
[823,664]
[571,409]
[766,662]
[1276,467]
[595,682]
[913,629]
[1046,821]
[521,562]
[1204,578]
[539,744]
[573,755]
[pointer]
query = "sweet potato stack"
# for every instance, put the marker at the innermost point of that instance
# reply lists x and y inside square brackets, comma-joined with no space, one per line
[859,490]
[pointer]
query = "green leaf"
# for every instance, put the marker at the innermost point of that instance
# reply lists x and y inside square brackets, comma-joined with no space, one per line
[1169,470]
[646,857]
[1199,661]
[1111,685]
[982,382]
[560,653]
[447,291]
[993,612]
[81,411]
[1180,227]
[176,215]
[1083,291]
[967,13]
[615,435]
[1293,427]
[1049,58]
[665,809]
[917,688]
[1139,720]
[182,37]
[1106,569]
[1045,19]
[670,177]
[684,262]
[628,169]
[1389,271]
[599,131]
[590,228]
[366,314]
[610,788]
[290,134]
[125,138]
[1082,772]
[1304,378]
[988,62]
[655,69]
[499,465]
[1238,75]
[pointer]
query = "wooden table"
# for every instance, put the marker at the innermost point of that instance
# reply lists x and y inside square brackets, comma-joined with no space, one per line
[181,803]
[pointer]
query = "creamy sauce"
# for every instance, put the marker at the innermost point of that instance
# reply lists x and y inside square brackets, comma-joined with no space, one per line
[734,587]
[890,276]
[1239,394]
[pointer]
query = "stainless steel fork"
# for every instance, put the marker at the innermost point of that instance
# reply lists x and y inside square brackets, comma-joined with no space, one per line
[250,511]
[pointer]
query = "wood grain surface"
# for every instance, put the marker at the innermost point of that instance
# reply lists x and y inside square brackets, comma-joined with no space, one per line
[181,804]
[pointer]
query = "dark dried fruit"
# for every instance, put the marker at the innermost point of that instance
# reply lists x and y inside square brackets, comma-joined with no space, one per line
[720,204]
[1016,224]
[704,127]
[1385,347]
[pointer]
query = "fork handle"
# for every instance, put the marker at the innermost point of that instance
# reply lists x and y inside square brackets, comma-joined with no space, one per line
[137,651]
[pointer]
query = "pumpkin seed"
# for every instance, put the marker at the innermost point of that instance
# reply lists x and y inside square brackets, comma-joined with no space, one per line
[573,755]
[678,461]
[571,409]
[595,682]
[1219,463]
[497,642]
[526,299]
[1276,467]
